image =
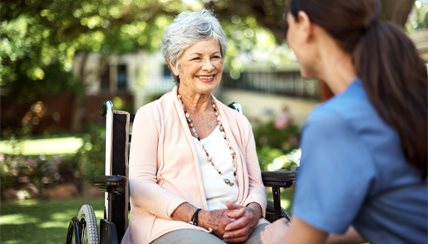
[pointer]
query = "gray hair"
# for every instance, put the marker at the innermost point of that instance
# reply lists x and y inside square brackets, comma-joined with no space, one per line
[187,29]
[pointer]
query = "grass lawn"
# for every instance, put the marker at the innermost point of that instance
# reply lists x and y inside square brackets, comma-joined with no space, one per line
[46,221]
[41,221]
[46,146]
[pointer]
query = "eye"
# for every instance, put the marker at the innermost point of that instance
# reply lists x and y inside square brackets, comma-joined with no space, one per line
[195,59]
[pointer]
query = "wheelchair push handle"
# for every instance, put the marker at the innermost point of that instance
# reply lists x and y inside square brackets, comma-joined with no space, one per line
[107,107]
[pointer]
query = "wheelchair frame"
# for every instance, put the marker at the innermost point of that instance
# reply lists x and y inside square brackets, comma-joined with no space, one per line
[83,227]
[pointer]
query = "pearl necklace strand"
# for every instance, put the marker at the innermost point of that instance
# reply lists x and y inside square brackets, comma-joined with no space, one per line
[207,155]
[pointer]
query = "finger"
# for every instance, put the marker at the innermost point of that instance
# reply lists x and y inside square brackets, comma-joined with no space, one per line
[231,206]
[236,213]
[237,236]
[238,224]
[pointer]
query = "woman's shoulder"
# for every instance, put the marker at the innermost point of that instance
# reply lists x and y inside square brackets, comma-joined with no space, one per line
[157,107]
[234,115]
[351,108]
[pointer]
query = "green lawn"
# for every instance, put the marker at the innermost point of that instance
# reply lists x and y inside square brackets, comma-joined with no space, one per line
[47,146]
[41,221]
[46,221]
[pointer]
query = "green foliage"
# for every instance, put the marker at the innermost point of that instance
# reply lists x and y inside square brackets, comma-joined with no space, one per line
[421,16]
[266,155]
[92,153]
[273,140]
[38,36]
[39,39]
[18,171]
[35,34]
[55,81]
[284,139]
[418,19]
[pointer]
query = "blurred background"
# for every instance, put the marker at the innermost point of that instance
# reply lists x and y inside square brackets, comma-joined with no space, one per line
[60,60]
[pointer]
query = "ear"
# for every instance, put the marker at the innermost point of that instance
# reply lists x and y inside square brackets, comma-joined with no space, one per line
[173,67]
[305,24]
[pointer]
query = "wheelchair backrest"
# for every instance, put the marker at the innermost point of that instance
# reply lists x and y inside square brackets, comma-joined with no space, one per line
[116,163]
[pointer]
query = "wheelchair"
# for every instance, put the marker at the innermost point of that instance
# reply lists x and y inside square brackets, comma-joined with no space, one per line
[83,228]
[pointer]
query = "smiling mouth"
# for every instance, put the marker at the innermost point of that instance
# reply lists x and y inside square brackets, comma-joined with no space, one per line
[206,78]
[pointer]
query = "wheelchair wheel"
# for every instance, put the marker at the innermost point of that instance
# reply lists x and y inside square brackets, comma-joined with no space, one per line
[89,228]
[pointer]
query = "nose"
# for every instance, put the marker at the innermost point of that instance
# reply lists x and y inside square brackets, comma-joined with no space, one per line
[207,65]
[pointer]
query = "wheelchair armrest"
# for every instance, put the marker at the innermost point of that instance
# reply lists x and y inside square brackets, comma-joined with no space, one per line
[279,178]
[111,183]
[276,180]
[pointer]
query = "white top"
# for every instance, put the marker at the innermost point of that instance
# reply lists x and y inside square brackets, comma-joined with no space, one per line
[216,190]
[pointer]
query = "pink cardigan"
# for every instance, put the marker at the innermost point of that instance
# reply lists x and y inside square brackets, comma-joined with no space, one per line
[164,170]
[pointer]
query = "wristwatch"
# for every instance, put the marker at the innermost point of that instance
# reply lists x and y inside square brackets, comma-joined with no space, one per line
[194,219]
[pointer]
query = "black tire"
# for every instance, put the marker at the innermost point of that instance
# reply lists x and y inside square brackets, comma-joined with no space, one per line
[89,228]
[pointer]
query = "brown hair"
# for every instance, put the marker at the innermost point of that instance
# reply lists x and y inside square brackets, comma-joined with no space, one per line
[393,74]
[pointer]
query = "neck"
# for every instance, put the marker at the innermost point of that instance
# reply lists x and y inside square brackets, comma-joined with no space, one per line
[195,103]
[339,78]
[336,66]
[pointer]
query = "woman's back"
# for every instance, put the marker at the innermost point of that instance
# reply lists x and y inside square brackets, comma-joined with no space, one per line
[365,179]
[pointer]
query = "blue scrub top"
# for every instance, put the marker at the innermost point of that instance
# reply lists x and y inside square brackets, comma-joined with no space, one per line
[353,172]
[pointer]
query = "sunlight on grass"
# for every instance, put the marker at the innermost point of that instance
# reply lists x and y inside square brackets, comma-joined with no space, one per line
[27,203]
[61,216]
[53,224]
[12,242]
[16,219]
[49,146]
[42,221]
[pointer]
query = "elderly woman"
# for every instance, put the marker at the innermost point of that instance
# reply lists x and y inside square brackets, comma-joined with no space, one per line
[193,172]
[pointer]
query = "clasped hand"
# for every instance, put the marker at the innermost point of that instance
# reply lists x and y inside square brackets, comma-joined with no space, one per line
[234,224]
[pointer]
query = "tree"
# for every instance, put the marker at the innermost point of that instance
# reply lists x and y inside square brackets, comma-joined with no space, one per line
[41,32]
[270,13]
[38,36]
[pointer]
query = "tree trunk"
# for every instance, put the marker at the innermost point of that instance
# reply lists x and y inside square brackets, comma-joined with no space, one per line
[397,11]
[76,107]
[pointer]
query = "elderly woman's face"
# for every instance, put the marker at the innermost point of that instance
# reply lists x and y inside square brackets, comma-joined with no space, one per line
[200,67]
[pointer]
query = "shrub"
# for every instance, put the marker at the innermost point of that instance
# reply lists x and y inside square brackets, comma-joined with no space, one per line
[92,153]
[285,139]
[18,171]
[275,138]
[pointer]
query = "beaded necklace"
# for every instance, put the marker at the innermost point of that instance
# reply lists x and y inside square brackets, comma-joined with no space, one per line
[192,128]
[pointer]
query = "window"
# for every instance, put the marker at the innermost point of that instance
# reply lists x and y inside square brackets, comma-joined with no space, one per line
[122,77]
[114,78]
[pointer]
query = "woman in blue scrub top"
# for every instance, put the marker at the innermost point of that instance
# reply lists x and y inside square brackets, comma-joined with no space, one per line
[363,174]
